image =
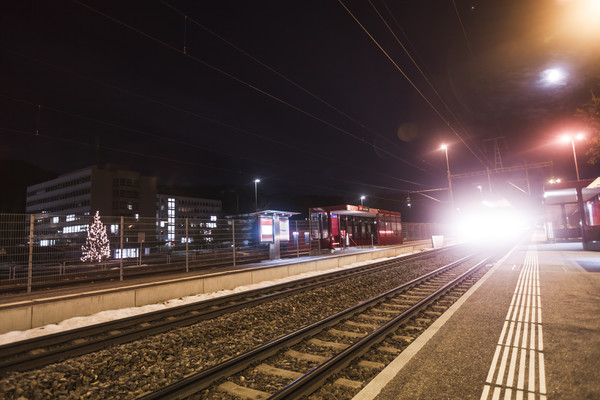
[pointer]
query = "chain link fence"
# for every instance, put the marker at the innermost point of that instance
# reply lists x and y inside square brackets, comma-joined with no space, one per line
[42,250]
[45,250]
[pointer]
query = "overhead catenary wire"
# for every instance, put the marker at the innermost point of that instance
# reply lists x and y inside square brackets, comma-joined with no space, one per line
[423,96]
[298,86]
[241,81]
[425,77]
[178,109]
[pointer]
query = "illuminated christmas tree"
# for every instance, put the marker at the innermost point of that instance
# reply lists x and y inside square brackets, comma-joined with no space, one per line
[97,246]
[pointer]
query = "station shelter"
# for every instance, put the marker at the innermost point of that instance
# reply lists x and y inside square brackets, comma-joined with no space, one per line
[572,212]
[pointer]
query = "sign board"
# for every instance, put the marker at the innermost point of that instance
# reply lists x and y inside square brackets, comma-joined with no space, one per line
[437,241]
[265,229]
[284,229]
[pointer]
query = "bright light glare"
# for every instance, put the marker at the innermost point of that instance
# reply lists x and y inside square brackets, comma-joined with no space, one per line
[586,15]
[491,226]
[567,138]
[553,77]
[443,147]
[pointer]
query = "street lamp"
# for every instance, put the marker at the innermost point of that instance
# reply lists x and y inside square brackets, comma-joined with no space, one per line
[256,194]
[362,198]
[566,139]
[445,148]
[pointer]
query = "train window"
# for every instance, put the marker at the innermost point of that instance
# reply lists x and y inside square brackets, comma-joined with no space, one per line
[592,211]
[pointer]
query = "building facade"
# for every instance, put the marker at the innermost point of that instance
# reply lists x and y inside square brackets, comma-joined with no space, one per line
[112,190]
[181,218]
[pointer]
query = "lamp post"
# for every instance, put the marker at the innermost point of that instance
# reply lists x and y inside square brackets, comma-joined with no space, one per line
[445,148]
[572,138]
[256,194]
[362,198]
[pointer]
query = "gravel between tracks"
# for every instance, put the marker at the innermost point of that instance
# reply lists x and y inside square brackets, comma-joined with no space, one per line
[126,371]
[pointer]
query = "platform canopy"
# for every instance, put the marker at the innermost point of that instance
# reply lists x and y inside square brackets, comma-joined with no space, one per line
[271,213]
[566,192]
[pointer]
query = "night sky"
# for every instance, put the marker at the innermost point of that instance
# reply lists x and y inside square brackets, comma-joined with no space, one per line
[312,97]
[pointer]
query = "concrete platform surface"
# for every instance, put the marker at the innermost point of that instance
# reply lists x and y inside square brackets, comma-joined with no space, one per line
[530,330]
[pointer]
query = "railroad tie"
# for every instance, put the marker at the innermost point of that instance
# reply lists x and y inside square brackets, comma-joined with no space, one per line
[403,338]
[389,349]
[412,328]
[380,310]
[244,392]
[395,306]
[371,364]
[361,325]
[374,317]
[433,313]
[347,383]
[305,356]
[280,372]
[348,334]
[323,343]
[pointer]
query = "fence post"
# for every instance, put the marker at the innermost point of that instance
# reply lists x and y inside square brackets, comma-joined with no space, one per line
[121,259]
[297,239]
[233,236]
[187,248]
[30,266]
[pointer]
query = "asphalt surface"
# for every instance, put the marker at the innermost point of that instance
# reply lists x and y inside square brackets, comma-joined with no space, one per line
[552,348]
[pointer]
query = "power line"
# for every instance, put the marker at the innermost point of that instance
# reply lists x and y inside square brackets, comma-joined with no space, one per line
[436,111]
[178,109]
[425,77]
[239,80]
[290,81]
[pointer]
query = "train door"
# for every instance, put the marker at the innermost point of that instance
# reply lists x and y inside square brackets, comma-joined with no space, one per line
[335,230]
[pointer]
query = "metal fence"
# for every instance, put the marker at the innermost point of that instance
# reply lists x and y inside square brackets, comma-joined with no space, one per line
[44,250]
[38,250]
[422,230]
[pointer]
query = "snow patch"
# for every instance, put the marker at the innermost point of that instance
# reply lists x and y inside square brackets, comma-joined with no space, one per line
[111,315]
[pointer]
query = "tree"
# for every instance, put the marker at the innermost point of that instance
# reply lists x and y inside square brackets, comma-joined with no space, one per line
[590,114]
[97,246]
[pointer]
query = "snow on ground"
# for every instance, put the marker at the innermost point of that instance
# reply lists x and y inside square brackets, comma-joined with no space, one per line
[110,315]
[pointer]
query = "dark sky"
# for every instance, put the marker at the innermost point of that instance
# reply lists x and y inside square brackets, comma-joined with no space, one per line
[294,93]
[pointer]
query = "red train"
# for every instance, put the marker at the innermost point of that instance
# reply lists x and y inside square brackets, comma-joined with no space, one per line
[348,225]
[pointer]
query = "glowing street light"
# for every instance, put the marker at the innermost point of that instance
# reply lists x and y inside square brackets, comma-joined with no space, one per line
[572,138]
[362,198]
[256,194]
[445,148]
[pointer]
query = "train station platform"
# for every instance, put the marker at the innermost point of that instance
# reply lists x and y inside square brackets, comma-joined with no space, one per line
[31,310]
[530,329]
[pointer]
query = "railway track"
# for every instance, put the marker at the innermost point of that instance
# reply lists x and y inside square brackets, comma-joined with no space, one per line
[37,352]
[351,345]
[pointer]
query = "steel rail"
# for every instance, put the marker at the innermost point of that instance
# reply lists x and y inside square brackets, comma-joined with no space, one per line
[131,328]
[312,380]
[198,381]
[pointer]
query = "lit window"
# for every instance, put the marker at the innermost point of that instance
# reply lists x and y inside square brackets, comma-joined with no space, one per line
[130,206]
[55,220]
[114,229]
[70,217]
[213,217]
